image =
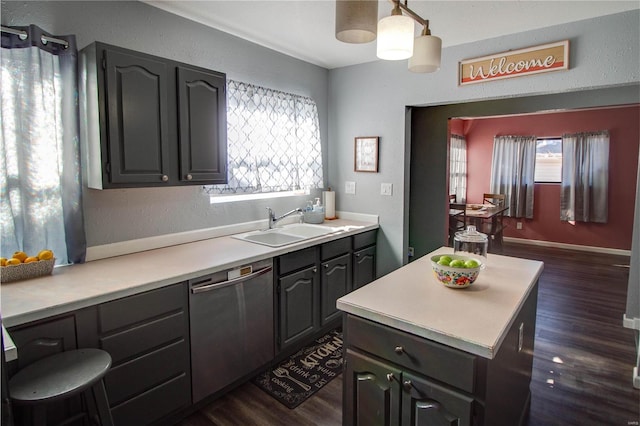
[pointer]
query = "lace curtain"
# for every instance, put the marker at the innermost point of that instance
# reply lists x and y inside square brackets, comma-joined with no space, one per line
[273,141]
[40,187]
[513,173]
[585,177]
[458,168]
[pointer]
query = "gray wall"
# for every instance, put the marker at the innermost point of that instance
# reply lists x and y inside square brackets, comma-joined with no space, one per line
[362,100]
[371,100]
[633,291]
[119,215]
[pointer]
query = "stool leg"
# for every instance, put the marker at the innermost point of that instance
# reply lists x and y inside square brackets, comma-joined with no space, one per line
[102,404]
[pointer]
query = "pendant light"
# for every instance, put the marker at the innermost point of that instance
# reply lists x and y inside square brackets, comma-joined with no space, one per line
[427,50]
[395,33]
[395,36]
[356,20]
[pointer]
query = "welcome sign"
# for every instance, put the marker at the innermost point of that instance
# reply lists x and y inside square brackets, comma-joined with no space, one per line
[515,63]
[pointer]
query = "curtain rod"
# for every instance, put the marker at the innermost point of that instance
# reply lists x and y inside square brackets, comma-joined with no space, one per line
[24,35]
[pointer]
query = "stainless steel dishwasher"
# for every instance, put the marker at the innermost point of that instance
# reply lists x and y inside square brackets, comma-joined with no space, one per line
[231,323]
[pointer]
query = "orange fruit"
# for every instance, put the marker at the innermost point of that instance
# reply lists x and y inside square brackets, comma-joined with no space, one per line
[13,261]
[20,255]
[3,261]
[31,259]
[45,255]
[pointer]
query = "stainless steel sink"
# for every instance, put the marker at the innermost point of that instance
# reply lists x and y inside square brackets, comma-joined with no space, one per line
[284,235]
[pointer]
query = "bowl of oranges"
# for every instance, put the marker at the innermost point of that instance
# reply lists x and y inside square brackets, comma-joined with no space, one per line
[456,271]
[21,266]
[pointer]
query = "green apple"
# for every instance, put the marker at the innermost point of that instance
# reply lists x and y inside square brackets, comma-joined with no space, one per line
[458,263]
[444,261]
[471,263]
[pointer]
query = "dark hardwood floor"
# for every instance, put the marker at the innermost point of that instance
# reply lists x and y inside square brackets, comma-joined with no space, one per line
[583,356]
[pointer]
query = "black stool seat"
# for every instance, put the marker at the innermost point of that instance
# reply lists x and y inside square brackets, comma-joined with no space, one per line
[64,375]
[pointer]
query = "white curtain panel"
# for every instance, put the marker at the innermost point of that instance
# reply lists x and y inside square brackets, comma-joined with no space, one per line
[585,177]
[513,173]
[40,187]
[458,168]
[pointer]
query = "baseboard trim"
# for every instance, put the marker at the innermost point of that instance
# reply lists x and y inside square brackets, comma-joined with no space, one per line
[631,322]
[606,250]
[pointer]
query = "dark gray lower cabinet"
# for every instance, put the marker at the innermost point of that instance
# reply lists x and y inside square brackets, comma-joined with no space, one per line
[396,378]
[147,336]
[311,280]
[298,306]
[335,282]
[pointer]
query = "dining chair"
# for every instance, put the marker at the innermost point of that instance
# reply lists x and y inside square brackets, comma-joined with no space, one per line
[494,227]
[457,221]
[452,198]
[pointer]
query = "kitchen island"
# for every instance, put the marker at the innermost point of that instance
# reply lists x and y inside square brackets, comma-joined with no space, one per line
[420,353]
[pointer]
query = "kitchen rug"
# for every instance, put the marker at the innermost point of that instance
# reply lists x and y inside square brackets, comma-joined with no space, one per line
[304,373]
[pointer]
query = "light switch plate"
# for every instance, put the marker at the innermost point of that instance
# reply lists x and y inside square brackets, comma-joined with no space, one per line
[386,189]
[349,187]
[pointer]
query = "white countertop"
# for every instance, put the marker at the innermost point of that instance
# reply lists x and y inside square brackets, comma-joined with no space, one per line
[474,319]
[79,286]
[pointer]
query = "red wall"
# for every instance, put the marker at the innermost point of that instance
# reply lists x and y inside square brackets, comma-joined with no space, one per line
[624,128]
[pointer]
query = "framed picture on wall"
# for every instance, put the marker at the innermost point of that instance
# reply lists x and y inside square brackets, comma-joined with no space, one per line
[366,154]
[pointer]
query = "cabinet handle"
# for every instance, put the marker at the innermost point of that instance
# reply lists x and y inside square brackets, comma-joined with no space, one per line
[315,270]
[357,254]
[399,350]
[189,177]
[407,385]
[326,266]
[390,377]
[520,336]
[165,178]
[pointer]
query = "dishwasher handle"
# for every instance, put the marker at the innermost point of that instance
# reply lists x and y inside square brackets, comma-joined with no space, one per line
[209,287]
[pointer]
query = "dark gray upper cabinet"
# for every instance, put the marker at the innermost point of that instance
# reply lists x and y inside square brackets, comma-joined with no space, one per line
[201,96]
[138,119]
[150,121]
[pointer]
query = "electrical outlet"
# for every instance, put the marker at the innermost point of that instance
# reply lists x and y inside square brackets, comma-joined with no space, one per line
[411,252]
[518,225]
[386,189]
[349,187]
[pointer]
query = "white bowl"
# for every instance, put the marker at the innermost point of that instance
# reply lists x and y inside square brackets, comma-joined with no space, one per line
[455,277]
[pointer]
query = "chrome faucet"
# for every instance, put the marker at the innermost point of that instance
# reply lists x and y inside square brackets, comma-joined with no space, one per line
[273,219]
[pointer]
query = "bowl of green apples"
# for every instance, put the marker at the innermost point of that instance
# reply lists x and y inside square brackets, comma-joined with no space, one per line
[456,271]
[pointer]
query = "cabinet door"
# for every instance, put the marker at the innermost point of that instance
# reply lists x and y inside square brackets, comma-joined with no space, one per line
[203,125]
[138,118]
[298,305]
[364,266]
[372,392]
[425,403]
[335,282]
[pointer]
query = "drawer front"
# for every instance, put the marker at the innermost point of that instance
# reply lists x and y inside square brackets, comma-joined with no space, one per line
[154,404]
[364,239]
[140,339]
[139,374]
[432,359]
[133,309]
[335,248]
[297,260]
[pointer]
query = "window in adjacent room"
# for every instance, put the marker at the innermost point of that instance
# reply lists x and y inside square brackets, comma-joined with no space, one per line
[273,142]
[548,160]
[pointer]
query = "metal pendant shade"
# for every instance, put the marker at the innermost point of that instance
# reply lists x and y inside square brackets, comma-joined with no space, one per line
[356,20]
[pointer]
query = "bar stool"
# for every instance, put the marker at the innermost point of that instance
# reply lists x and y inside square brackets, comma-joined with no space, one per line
[62,376]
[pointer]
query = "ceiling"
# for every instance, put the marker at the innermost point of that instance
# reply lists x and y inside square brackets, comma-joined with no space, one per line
[305,29]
